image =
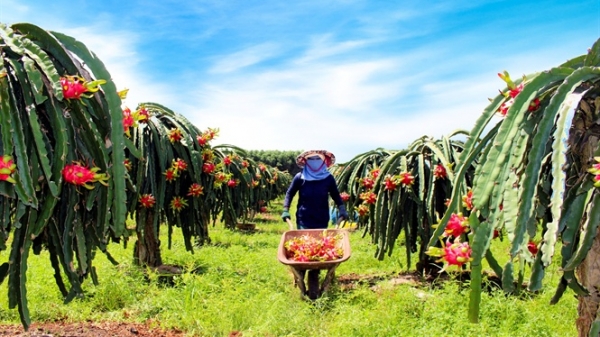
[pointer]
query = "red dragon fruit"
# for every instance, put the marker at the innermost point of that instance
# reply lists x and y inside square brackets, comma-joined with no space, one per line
[595,171]
[467,200]
[532,247]
[457,253]
[390,182]
[221,177]
[74,87]
[345,196]
[406,178]
[195,190]
[175,135]
[368,197]
[362,210]
[456,226]
[451,253]
[170,174]
[201,141]
[142,114]
[80,175]
[128,121]
[210,134]
[367,182]
[513,91]
[534,105]
[127,164]
[7,168]
[440,172]
[178,203]
[208,167]
[179,165]
[147,200]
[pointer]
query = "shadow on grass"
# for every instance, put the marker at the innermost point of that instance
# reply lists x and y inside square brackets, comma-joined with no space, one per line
[266,229]
[166,275]
[267,220]
[491,283]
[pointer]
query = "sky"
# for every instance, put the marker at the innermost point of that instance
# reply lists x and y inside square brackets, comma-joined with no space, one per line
[347,76]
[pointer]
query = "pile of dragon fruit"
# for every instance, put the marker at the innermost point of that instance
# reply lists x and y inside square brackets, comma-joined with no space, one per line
[307,248]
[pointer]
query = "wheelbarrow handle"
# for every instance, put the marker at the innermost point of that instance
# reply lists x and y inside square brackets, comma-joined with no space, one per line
[290,223]
[339,222]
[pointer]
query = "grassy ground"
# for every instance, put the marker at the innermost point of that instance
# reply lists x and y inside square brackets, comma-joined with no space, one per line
[237,284]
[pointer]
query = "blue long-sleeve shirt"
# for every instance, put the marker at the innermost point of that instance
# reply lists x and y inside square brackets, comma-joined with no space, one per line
[313,200]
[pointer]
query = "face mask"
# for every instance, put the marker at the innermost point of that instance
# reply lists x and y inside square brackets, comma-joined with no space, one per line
[315,163]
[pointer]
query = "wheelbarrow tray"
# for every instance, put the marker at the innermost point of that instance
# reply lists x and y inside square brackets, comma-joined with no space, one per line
[298,265]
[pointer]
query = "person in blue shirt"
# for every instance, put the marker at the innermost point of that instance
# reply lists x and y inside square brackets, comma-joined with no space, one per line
[314,185]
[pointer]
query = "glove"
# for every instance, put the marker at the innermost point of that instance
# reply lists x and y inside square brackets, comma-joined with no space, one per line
[343,213]
[285,214]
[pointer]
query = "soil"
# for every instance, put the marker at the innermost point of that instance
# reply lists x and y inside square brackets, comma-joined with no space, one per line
[88,329]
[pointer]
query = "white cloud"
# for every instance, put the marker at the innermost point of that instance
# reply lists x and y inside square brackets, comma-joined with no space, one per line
[356,106]
[307,106]
[244,58]
[325,46]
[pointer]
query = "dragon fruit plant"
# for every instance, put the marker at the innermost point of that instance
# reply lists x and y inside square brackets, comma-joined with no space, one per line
[535,145]
[62,163]
[243,186]
[396,191]
[173,186]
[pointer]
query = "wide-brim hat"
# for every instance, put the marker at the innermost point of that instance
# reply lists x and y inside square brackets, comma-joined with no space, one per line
[327,157]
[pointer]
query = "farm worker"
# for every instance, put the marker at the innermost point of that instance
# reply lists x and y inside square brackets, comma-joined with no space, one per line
[314,185]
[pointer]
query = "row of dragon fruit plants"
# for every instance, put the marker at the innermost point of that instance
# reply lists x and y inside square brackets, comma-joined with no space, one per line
[75,164]
[527,172]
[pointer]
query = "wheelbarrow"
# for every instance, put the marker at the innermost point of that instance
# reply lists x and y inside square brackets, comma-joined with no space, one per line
[315,288]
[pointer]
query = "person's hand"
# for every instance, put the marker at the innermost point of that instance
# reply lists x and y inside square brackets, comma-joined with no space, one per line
[343,213]
[285,214]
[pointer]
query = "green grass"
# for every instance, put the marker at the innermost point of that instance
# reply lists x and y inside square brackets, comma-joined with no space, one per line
[237,284]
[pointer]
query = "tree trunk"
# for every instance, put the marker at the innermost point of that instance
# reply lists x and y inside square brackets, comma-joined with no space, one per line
[589,275]
[147,247]
[583,141]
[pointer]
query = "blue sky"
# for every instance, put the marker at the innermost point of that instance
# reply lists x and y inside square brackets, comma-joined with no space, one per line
[348,76]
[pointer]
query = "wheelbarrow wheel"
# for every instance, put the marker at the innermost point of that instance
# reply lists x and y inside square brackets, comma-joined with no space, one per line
[313,284]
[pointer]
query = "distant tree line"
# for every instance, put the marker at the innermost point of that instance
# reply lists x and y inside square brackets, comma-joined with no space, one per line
[282,160]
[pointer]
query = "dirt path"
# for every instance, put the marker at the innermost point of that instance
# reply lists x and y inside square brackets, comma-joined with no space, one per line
[87,329]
